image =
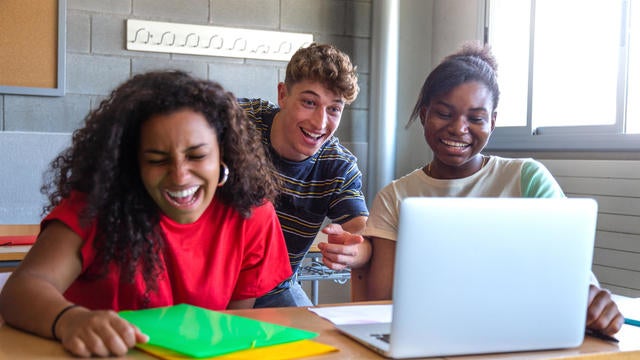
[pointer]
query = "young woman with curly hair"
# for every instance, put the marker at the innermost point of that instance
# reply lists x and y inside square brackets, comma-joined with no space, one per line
[162,198]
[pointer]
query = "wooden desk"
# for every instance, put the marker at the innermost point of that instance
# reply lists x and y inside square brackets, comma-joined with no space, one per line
[13,252]
[10,256]
[15,344]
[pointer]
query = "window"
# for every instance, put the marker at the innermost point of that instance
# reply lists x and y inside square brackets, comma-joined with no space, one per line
[569,74]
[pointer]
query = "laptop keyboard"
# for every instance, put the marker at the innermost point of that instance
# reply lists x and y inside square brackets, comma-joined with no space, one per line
[382,337]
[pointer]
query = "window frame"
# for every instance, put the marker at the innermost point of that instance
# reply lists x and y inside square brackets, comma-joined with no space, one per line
[567,138]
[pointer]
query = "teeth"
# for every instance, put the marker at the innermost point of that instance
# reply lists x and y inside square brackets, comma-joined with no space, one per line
[454,143]
[311,135]
[183,193]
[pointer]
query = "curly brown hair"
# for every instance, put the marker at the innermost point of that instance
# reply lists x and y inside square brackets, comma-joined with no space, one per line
[326,64]
[102,163]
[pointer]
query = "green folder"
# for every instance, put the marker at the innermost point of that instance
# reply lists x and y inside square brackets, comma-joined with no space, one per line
[199,332]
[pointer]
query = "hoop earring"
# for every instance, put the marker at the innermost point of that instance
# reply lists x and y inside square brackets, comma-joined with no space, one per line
[225,174]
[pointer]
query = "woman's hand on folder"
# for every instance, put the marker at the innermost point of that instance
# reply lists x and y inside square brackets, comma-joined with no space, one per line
[97,333]
[603,314]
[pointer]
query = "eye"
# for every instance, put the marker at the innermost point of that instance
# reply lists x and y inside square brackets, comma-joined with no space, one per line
[335,110]
[156,161]
[196,157]
[308,103]
[443,114]
[479,118]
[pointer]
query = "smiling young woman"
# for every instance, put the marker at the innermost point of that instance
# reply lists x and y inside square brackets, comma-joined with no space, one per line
[457,109]
[162,198]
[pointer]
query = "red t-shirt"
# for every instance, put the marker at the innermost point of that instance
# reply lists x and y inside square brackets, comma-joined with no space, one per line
[220,257]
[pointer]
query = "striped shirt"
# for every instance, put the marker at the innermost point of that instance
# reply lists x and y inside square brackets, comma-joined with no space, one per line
[327,184]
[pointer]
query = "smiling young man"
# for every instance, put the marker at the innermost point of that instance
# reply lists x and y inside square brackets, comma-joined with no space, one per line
[319,177]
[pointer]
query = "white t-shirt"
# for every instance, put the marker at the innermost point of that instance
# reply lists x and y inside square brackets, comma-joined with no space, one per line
[500,177]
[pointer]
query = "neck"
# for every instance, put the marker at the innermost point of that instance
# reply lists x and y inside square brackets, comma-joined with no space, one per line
[437,172]
[275,135]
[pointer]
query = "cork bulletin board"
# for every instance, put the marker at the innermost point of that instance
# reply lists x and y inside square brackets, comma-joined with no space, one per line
[32,47]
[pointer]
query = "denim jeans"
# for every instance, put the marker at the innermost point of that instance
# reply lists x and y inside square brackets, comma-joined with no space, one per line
[293,296]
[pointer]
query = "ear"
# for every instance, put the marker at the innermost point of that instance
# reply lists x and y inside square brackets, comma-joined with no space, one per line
[282,94]
[493,120]
[424,112]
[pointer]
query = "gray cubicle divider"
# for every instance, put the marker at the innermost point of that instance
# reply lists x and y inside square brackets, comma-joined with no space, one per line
[24,157]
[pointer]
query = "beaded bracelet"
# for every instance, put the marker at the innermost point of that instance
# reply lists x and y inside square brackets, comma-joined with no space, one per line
[55,321]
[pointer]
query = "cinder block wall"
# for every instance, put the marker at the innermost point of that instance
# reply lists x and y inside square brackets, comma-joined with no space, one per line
[97,61]
[33,129]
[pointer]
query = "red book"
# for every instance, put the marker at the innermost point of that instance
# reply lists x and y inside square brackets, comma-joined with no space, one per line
[17,239]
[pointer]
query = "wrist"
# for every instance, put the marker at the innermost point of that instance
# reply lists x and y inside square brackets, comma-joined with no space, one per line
[56,320]
[364,252]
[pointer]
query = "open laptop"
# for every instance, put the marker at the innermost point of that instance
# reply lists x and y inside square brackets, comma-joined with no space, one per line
[487,275]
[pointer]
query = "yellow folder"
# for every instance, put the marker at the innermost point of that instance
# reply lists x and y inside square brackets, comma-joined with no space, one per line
[292,350]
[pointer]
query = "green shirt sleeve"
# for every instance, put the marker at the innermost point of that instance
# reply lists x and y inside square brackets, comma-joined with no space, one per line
[537,182]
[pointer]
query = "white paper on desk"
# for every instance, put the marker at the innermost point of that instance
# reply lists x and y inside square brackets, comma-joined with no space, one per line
[356,314]
[628,306]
